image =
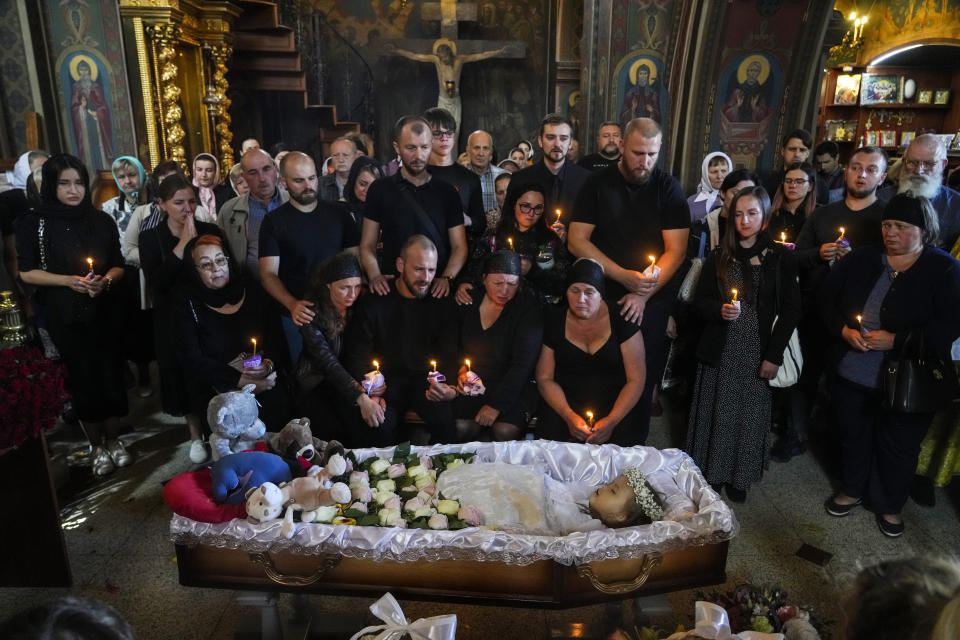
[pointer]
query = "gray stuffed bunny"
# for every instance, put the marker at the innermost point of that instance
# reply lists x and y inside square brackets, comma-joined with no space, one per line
[234,423]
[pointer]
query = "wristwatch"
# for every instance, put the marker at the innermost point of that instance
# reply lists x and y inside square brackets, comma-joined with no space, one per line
[109,281]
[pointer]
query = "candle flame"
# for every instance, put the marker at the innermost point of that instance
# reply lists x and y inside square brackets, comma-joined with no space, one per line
[433,363]
[783,236]
[467,361]
[842,231]
[590,417]
[377,365]
[734,292]
[510,241]
[558,215]
[254,341]
[859,319]
[90,262]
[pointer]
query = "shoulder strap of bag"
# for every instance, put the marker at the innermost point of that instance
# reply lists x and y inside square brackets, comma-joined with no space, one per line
[425,220]
[41,228]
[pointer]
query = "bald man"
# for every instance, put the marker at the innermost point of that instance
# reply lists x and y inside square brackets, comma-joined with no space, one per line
[480,155]
[295,238]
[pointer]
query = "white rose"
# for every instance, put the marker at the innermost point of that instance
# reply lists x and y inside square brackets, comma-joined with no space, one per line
[386,485]
[389,517]
[426,497]
[384,496]
[438,521]
[336,465]
[379,466]
[448,507]
[325,514]
[340,492]
[416,471]
[423,481]
[424,511]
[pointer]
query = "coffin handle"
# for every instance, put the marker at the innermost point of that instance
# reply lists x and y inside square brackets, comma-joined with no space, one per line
[287,580]
[650,561]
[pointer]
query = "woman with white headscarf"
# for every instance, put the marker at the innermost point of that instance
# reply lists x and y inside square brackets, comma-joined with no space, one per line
[13,204]
[714,169]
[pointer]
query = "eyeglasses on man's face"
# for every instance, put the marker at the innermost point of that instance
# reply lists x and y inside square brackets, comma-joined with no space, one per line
[442,134]
[927,165]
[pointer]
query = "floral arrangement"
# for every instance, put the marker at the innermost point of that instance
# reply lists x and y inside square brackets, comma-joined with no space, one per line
[31,394]
[402,492]
[766,609]
[645,495]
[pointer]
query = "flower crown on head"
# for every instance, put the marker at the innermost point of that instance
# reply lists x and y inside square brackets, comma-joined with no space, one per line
[645,495]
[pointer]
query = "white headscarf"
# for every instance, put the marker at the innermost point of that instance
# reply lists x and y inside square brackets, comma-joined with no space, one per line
[18,177]
[705,190]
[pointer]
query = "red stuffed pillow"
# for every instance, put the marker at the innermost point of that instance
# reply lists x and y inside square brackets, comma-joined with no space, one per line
[190,495]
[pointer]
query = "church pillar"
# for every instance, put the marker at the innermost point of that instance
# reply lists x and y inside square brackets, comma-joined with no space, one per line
[219,104]
[163,38]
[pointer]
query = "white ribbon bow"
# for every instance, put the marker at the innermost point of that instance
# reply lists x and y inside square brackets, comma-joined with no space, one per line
[713,623]
[388,610]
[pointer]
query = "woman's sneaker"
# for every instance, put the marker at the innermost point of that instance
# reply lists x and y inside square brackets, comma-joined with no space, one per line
[100,461]
[118,453]
[198,451]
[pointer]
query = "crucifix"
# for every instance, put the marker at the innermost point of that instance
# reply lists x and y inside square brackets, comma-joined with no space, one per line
[447,53]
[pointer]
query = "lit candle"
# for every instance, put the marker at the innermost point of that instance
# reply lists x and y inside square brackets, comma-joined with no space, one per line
[510,242]
[377,365]
[254,341]
[783,236]
[733,295]
[468,364]
[860,322]
[90,264]
[590,418]
[433,363]
[558,215]
[842,231]
[653,262]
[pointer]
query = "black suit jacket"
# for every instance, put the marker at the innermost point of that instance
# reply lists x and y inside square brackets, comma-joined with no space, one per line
[571,176]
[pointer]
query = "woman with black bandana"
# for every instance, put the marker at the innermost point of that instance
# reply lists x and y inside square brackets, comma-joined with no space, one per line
[748,300]
[216,316]
[500,333]
[326,392]
[591,369]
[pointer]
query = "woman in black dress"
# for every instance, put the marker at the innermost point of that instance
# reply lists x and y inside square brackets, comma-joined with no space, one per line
[161,257]
[500,333]
[592,361]
[70,251]
[362,174]
[217,314]
[326,392]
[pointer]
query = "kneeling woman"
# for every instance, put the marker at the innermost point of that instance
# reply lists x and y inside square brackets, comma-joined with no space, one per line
[500,332]
[216,316]
[741,347]
[591,366]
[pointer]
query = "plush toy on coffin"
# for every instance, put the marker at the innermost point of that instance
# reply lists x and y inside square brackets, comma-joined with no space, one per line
[234,422]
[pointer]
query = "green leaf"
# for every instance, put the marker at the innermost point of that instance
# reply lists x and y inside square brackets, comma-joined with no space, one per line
[454,523]
[356,514]
[401,453]
[370,520]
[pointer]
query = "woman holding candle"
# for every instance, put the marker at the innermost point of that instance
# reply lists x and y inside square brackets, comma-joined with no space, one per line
[54,244]
[906,287]
[795,200]
[748,300]
[501,330]
[543,254]
[326,392]
[161,251]
[591,360]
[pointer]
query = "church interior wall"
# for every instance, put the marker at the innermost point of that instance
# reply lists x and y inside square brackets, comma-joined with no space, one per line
[16,93]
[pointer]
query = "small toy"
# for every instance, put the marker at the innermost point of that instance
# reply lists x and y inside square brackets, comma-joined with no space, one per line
[232,475]
[233,421]
[296,440]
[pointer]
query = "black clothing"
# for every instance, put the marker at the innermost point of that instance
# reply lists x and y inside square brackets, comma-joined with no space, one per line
[595,161]
[771,180]
[320,363]
[827,182]
[403,209]
[782,221]
[561,190]
[629,218]
[589,381]
[470,190]
[222,193]
[503,355]
[303,240]
[329,191]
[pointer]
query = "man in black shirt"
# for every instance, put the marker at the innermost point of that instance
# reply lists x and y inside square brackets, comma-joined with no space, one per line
[408,203]
[561,180]
[795,148]
[830,175]
[294,238]
[623,215]
[443,166]
[405,330]
[608,148]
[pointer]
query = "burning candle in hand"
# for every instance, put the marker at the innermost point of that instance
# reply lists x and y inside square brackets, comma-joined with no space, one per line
[783,236]
[590,419]
[558,215]
[510,242]
[433,363]
[376,365]
[733,295]
[842,231]
[467,362]
[860,323]
[653,262]
[90,264]
[254,341]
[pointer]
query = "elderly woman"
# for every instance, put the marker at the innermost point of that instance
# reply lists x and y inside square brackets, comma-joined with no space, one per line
[741,347]
[500,333]
[713,170]
[875,299]
[216,314]
[795,200]
[130,177]
[71,253]
[327,393]
[161,251]
[591,369]
[543,255]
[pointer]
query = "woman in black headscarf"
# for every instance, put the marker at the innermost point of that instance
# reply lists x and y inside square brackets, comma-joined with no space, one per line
[591,369]
[217,315]
[71,252]
[326,392]
[500,333]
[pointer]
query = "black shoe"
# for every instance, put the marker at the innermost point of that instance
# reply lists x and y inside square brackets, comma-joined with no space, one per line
[889,529]
[736,495]
[839,510]
[783,450]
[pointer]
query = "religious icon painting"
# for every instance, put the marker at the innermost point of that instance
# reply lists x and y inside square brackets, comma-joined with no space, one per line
[640,86]
[880,89]
[888,138]
[848,89]
[942,96]
[871,138]
[86,81]
[925,97]
[906,137]
[747,104]
[955,145]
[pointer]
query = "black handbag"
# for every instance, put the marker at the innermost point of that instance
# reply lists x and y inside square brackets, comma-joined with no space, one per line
[918,381]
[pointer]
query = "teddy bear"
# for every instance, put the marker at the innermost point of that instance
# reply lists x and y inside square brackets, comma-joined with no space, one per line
[233,421]
[296,440]
[309,495]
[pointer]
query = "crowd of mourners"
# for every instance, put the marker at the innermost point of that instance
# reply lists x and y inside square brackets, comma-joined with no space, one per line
[537,296]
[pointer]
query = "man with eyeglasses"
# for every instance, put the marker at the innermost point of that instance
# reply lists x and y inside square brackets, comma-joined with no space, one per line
[343,151]
[443,166]
[295,238]
[830,175]
[859,215]
[924,162]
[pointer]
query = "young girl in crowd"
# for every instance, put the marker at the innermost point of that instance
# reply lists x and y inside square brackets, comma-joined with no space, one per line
[749,302]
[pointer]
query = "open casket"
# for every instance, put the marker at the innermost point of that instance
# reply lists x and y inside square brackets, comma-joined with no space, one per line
[687,549]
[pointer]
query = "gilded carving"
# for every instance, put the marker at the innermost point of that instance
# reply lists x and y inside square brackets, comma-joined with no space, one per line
[164,38]
[219,54]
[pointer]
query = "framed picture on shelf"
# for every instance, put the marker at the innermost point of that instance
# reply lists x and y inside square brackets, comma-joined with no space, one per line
[880,89]
[955,145]
[871,138]
[942,96]
[831,127]
[888,138]
[848,89]
[946,139]
[906,137]
[850,130]
[925,97]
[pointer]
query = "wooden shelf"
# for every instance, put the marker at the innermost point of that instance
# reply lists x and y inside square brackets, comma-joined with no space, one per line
[906,105]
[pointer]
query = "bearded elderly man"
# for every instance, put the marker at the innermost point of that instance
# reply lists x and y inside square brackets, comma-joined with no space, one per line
[625,213]
[924,162]
[405,330]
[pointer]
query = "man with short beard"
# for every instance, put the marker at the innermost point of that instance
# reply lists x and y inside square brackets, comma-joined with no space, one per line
[859,213]
[625,213]
[295,238]
[924,162]
[404,330]
[608,148]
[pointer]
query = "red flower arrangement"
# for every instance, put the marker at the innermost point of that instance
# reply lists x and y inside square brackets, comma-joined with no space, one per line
[31,394]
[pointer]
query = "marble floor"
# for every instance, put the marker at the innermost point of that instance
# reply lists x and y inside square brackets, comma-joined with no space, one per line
[116,532]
